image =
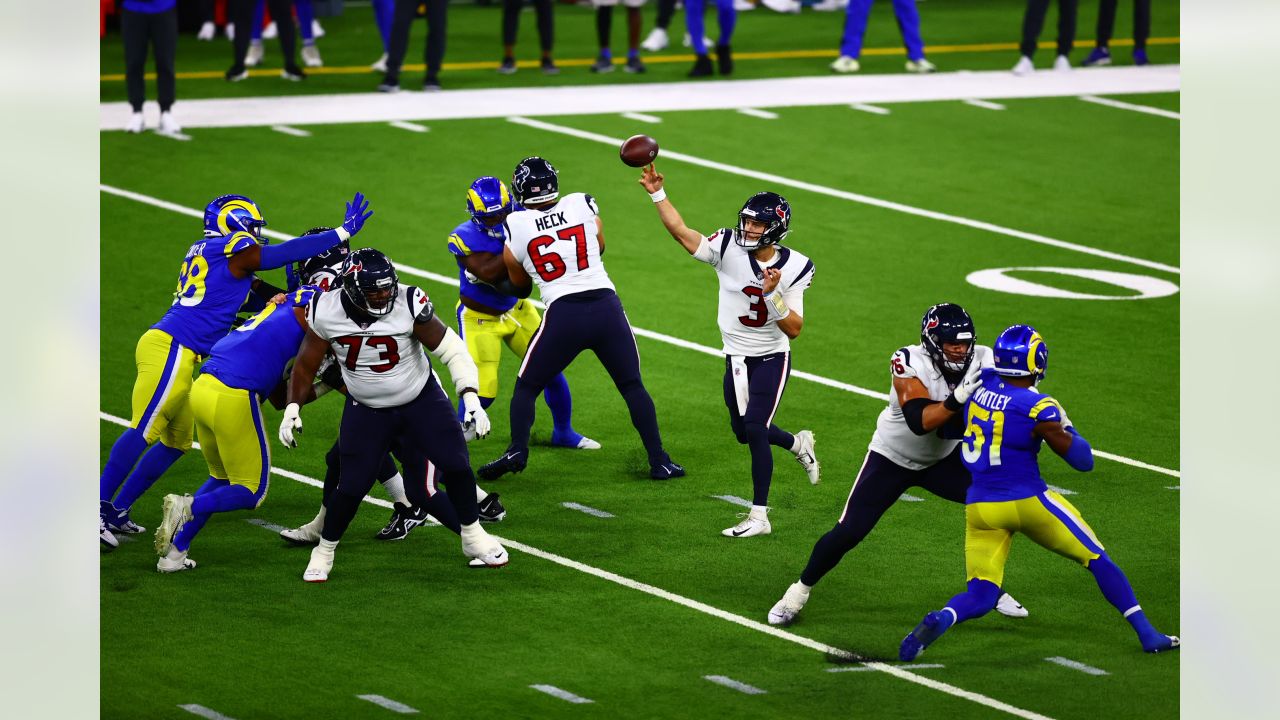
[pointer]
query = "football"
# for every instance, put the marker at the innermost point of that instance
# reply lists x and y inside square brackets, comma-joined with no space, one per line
[638,150]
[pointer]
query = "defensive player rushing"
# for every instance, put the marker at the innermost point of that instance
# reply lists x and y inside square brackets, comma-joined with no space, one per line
[558,243]
[1006,421]
[915,445]
[489,314]
[761,310]
[377,329]
[215,277]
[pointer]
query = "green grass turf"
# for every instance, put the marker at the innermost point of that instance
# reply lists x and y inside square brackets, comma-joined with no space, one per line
[474,37]
[242,634]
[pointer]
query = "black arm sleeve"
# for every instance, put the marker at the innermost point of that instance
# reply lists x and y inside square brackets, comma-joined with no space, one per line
[913,411]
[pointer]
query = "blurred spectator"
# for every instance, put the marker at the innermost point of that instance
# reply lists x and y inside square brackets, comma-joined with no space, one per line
[154,23]
[241,12]
[511,26]
[311,31]
[855,27]
[384,12]
[1101,54]
[208,28]
[405,12]
[604,29]
[657,38]
[726,17]
[1033,23]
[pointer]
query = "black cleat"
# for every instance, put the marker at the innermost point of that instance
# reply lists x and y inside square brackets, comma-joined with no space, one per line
[634,65]
[403,520]
[293,73]
[390,83]
[702,67]
[508,66]
[236,73]
[666,471]
[431,84]
[511,461]
[724,58]
[491,511]
[549,67]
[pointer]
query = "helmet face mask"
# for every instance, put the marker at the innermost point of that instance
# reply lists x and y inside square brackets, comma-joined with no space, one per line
[370,283]
[947,324]
[324,269]
[535,181]
[488,203]
[769,215]
[1020,351]
[230,214]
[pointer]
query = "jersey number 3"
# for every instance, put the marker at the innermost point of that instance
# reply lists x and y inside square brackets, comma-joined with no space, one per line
[549,264]
[389,355]
[757,314]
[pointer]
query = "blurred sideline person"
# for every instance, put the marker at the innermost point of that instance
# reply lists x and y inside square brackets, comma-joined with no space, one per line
[695,23]
[154,23]
[241,13]
[855,27]
[604,29]
[1101,54]
[401,23]
[511,27]
[1033,23]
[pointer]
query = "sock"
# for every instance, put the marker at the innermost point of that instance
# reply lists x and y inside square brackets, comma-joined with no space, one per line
[1116,589]
[383,15]
[182,540]
[225,499]
[521,414]
[259,15]
[341,511]
[783,439]
[761,462]
[633,53]
[459,490]
[152,465]
[606,54]
[441,508]
[759,510]
[975,602]
[395,488]
[560,402]
[480,494]
[124,454]
[696,24]
[306,14]
[328,546]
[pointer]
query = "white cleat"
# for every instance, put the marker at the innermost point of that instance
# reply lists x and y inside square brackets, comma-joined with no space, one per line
[688,42]
[782,6]
[380,65]
[1024,66]
[785,610]
[180,562]
[306,535]
[107,540]
[755,523]
[806,457]
[207,32]
[829,5]
[168,126]
[1062,64]
[317,32]
[253,56]
[587,443]
[1009,607]
[845,64]
[483,550]
[320,565]
[231,31]
[311,56]
[177,511]
[921,66]
[135,124]
[743,6]
[656,40]
[270,31]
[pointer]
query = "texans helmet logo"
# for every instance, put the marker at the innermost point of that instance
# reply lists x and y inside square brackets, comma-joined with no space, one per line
[933,323]
[781,212]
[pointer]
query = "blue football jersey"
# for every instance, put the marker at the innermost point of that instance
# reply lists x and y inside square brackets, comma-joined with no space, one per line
[1000,446]
[255,355]
[464,240]
[208,295]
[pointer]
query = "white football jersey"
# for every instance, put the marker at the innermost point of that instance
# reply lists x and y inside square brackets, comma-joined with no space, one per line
[559,246]
[383,364]
[893,438]
[745,328]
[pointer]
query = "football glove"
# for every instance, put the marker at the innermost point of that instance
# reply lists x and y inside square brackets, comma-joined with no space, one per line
[357,212]
[291,423]
[1066,421]
[474,416]
[965,390]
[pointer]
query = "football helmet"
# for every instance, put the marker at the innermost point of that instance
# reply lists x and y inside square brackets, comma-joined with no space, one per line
[489,204]
[947,323]
[322,270]
[535,181]
[369,282]
[1021,352]
[769,208]
[232,213]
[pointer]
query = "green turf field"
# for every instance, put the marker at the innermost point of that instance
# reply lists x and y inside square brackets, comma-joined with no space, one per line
[632,612]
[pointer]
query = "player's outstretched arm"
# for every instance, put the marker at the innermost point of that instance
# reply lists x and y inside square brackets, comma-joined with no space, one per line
[652,180]
[441,341]
[269,257]
[520,280]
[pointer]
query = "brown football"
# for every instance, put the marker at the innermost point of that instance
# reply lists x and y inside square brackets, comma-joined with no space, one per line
[638,150]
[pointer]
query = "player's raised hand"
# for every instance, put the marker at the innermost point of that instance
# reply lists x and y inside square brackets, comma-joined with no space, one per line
[290,424]
[969,385]
[357,212]
[474,415]
[651,180]
[772,276]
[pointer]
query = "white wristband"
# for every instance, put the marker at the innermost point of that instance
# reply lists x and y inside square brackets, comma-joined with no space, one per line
[658,196]
[343,235]
[776,306]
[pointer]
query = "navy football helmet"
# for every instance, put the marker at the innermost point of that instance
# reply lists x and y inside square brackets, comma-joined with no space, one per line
[369,282]
[535,181]
[230,214]
[323,270]
[1021,352]
[489,203]
[947,323]
[769,208]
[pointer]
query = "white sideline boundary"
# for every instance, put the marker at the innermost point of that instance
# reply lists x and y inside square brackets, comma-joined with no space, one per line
[565,695]
[693,605]
[641,332]
[1131,106]
[734,684]
[204,712]
[392,705]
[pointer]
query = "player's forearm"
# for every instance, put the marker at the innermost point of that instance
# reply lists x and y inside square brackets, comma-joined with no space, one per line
[688,238]
[791,325]
[301,248]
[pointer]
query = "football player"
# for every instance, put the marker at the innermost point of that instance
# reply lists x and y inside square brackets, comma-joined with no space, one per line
[558,242]
[489,314]
[1006,420]
[916,444]
[377,329]
[761,310]
[215,277]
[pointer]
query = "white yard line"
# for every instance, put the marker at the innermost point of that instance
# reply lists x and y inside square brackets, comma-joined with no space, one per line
[288,130]
[1086,669]
[734,684]
[204,712]
[762,114]
[266,525]
[706,609]
[873,109]
[984,104]
[587,510]
[910,498]
[1131,106]
[389,704]
[565,695]
[411,127]
[1172,487]
[660,337]
[641,117]
[851,196]
[864,668]
[734,499]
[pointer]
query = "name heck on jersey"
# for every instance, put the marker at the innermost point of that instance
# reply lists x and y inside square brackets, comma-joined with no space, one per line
[559,247]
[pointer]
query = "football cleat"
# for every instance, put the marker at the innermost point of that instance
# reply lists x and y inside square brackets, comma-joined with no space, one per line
[177,511]
[293,73]
[253,57]
[785,610]
[135,124]
[508,66]
[105,538]
[483,550]
[317,31]
[390,84]
[1163,644]
[1140,58]
[687,41]
[117,521]
[431,84]
[921,66]
[311,56]
[168,126]
[634,66]
[574,440]
[702,67]
[1024,66]
[1009,607]
[512,461]
[656,40]
[207,31]
[929,629]
[829,5]
[320,565]
[270,31]
[236,74]
[1061,64]
[491,510]
[805,456]
[167,565]
[1098,57]
[666,470]
[754,523]
[783,6]
[404,519]
[380,65]
[549,67]
[724,58]
[602,65]
[845,64]
[306,535]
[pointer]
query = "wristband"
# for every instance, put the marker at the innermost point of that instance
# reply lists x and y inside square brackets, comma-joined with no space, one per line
[777,306]
[658,196]
[343,235]
[952,404]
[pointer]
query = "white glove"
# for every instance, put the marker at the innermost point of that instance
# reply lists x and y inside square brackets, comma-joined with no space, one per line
[290,423]
[1066,421]
[473,416]
[969,385]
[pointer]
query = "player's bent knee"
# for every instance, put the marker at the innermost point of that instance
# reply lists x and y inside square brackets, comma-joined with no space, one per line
[985,591]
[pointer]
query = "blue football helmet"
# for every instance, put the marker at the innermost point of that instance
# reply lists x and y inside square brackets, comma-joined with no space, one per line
[535,181]
[232,213]
[369,282]
[769,208]
[489,204]
[1021,352]
[947,323]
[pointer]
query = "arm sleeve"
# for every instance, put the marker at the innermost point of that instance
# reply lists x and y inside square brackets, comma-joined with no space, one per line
[1080,454]
[274,256]
[1046,410]
[452,351]
[913,412]
[420,305]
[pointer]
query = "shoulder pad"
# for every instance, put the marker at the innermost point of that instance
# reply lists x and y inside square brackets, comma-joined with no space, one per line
[805,277]
[237,242]
[1046,409]
[420,305]
[591,204]
[720,239]
[900,364]
[458,246]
